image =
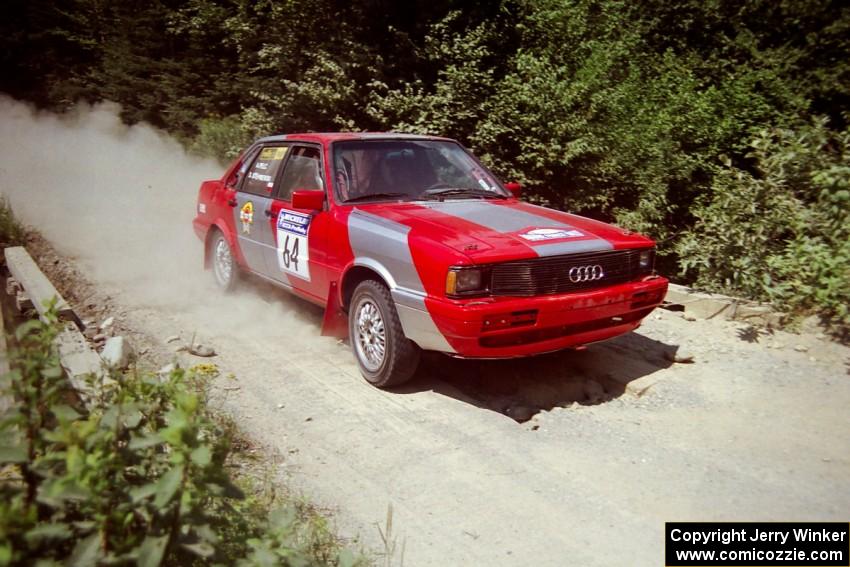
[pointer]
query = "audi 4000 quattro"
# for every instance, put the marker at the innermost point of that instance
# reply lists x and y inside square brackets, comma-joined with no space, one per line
[410,243]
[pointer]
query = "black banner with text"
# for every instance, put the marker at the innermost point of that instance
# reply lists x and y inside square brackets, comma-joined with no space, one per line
[757,544]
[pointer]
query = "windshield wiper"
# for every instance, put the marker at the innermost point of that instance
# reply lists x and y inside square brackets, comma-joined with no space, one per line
[375,196]
[444,192]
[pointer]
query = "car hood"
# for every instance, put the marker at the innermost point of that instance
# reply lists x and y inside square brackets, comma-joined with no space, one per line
[493,231]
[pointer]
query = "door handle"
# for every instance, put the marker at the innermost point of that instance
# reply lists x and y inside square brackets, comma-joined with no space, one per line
[232,202]
[269,213]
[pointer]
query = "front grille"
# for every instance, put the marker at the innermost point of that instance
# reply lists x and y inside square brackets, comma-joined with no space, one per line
[550,275]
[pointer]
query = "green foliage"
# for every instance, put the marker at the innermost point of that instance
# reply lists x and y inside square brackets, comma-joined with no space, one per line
[140,476]
[222,138]
[780,233]
[12,232]
[451,105]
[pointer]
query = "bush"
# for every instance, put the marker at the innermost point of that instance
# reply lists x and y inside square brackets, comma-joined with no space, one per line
[780,232]
[138,477]
[12,232]
[220,138]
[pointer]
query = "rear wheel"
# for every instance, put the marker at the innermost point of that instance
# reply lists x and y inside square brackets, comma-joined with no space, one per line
[223,266]
[385,356]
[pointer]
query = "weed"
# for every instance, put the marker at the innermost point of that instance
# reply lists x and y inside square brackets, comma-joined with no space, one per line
[140,475]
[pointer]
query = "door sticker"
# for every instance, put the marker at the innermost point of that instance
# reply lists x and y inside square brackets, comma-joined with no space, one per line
[539,234]
[263,171]
[246,215]
[293,251]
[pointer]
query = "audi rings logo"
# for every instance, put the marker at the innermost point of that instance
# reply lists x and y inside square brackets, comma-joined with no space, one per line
[579,274]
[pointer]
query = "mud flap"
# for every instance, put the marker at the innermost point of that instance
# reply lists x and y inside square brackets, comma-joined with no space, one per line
[335,321]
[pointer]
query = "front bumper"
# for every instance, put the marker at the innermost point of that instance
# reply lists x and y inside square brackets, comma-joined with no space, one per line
[559,321]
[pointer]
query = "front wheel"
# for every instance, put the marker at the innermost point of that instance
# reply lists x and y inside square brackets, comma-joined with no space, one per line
[385,356]
[223,265]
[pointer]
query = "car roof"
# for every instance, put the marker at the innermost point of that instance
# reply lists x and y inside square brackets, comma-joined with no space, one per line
[324,137]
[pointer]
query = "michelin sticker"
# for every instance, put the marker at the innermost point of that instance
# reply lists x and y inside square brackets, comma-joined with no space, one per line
[293,252]
[246,215]
[539,234]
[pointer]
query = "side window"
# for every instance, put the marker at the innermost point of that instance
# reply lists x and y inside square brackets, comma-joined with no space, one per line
[262,173]
[303,171]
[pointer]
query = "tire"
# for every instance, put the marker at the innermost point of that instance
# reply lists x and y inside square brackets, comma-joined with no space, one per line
[372,324]
[224,267]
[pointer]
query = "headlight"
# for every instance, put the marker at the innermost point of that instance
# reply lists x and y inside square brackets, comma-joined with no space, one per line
[465,281]
[647,259]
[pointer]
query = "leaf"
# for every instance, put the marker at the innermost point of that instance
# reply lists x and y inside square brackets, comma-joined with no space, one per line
[201,456]
[10,417]
[206,533]
[167,486]
[47,532]
[201,549]
[56,491]
[54,371]
[110,418]
[152,551]
[139,493]
[65,413]
[144,441]
[26,328]
[133,419]
[86,553]
[228,489]
[13,455]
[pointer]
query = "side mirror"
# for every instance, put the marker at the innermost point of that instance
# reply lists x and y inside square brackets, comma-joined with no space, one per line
[309,200]
[515,188]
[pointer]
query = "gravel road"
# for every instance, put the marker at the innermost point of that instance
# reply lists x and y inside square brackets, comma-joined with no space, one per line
[620,439]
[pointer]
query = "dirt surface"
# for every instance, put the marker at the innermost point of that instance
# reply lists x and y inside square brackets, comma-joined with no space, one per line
[613,441]
[575,458]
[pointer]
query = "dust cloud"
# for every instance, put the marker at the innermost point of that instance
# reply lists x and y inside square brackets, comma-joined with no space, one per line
[120,201]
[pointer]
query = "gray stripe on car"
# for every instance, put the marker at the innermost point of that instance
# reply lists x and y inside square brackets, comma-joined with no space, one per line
[494,217]
[506,219]
[573,247]
[382,245]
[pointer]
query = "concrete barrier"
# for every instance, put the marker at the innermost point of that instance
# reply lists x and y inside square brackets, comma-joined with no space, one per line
[75,355]
[703,305]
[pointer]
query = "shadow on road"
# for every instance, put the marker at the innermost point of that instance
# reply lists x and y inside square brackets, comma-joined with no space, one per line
[520,388]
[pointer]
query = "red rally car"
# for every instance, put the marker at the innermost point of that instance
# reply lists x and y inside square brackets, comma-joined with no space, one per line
[417,245]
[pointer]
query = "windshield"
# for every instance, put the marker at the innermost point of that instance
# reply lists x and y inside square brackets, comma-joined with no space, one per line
[375,170]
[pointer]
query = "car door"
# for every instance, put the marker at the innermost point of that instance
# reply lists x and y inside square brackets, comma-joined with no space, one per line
[253,215]
[298,256]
